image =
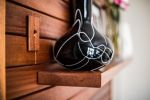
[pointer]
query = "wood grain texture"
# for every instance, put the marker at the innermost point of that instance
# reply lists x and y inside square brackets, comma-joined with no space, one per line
[93,93]
[71,93]
[56,8]
[23,80]
[70,78]
[2,50]
[56,93]
[16,22]
[17,53]
[33,33]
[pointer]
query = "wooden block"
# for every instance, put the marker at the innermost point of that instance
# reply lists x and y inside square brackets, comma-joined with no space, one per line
[23,80]
[70,78]
[18,55]
[33,33]
[56,93]
[16,22]
[55,8]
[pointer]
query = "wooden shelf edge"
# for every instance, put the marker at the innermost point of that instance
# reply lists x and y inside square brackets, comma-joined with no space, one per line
[80,78]
[108,74]
[69,78]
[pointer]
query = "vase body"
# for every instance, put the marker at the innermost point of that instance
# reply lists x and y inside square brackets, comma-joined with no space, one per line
[83,47]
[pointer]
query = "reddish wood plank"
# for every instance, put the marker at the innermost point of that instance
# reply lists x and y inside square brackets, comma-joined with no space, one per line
[33,33]
[56,93]
[17,53]
[2,50]
[70,78]
[16,22]
[56,8]
[92,93]
[23,80]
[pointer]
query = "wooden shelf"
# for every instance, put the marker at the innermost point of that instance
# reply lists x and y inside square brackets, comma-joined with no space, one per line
[62,77]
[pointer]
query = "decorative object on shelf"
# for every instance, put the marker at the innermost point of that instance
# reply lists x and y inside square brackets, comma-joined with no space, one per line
[83,47]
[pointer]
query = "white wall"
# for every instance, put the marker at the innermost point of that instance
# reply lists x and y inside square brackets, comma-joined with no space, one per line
[133,82]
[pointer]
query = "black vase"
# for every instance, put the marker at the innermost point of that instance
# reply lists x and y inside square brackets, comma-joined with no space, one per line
[83,47]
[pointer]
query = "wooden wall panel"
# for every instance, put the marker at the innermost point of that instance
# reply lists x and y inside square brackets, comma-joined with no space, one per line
[23,80]
[17,53]
[2,50]
[56,93]
[86,94]
[55,8]
[71,93]
[93,93]
[16,22]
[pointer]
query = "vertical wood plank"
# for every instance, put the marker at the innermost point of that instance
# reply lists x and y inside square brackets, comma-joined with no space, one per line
[33,33]
[2,50]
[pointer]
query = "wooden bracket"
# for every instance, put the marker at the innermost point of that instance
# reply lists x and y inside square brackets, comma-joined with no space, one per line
[33,33]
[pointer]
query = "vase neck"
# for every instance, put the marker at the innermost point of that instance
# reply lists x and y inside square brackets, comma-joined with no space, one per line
[84,7]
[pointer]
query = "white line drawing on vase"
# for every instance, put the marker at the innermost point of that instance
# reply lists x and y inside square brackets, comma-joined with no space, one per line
[79,32]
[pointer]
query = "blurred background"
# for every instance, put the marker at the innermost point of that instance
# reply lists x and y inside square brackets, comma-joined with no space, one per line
[133,82]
